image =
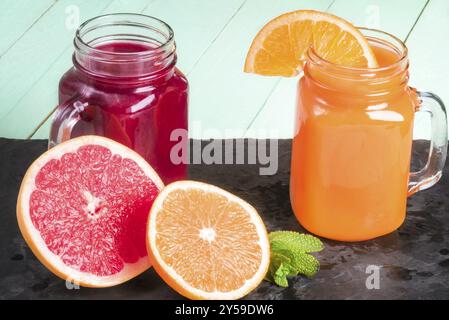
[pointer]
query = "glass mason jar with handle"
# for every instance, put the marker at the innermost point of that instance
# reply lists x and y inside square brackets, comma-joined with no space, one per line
[350,168]
[124,85]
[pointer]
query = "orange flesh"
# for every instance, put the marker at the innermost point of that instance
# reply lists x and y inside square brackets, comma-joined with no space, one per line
[219,261]
[351,155]
[280,48]
[278,59]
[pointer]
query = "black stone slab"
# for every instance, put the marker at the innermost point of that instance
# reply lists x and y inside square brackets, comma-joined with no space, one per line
[414,260]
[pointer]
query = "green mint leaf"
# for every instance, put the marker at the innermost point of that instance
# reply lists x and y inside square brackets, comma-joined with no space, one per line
[289,256]
[304,242]
[280,276]
[305,264]
[279,268]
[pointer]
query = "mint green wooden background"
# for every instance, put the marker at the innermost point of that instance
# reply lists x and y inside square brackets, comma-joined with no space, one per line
[213,37]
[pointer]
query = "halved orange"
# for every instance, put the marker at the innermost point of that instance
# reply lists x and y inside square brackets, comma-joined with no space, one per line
[207,243]
[280,47]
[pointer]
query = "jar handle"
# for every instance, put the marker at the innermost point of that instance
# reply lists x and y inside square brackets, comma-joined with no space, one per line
[64,120]
[432,172]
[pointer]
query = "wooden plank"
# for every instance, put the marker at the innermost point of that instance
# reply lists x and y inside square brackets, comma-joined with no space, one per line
[222,96]
[196,24]
[277,116]
[429,50]
[22,15]
[395,17]
[41,98]
[276,119]
[135,6]
[30,58]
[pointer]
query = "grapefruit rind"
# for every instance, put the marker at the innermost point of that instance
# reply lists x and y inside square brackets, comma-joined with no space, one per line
[32,236]
[175,281]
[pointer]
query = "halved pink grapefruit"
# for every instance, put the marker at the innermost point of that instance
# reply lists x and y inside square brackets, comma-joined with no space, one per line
[83,208]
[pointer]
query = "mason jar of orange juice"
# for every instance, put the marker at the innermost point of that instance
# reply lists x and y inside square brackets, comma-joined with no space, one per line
[350,168]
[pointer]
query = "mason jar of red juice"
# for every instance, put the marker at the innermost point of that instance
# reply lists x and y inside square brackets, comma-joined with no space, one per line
[124,85]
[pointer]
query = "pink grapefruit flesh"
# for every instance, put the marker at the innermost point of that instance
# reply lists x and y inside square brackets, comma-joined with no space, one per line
[83,208]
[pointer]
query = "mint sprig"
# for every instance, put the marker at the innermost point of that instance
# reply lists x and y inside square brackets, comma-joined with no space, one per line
[290,256]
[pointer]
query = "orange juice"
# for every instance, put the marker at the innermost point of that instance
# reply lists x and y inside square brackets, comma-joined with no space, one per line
[352,146]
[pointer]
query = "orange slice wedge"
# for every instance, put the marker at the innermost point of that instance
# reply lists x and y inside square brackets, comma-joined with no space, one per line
[207,243]
[280,48]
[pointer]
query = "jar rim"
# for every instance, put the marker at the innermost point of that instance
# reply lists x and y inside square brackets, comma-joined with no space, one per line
[128,19]
[316,59]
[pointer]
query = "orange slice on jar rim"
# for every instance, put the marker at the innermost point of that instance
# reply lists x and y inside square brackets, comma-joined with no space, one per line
[280,47]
